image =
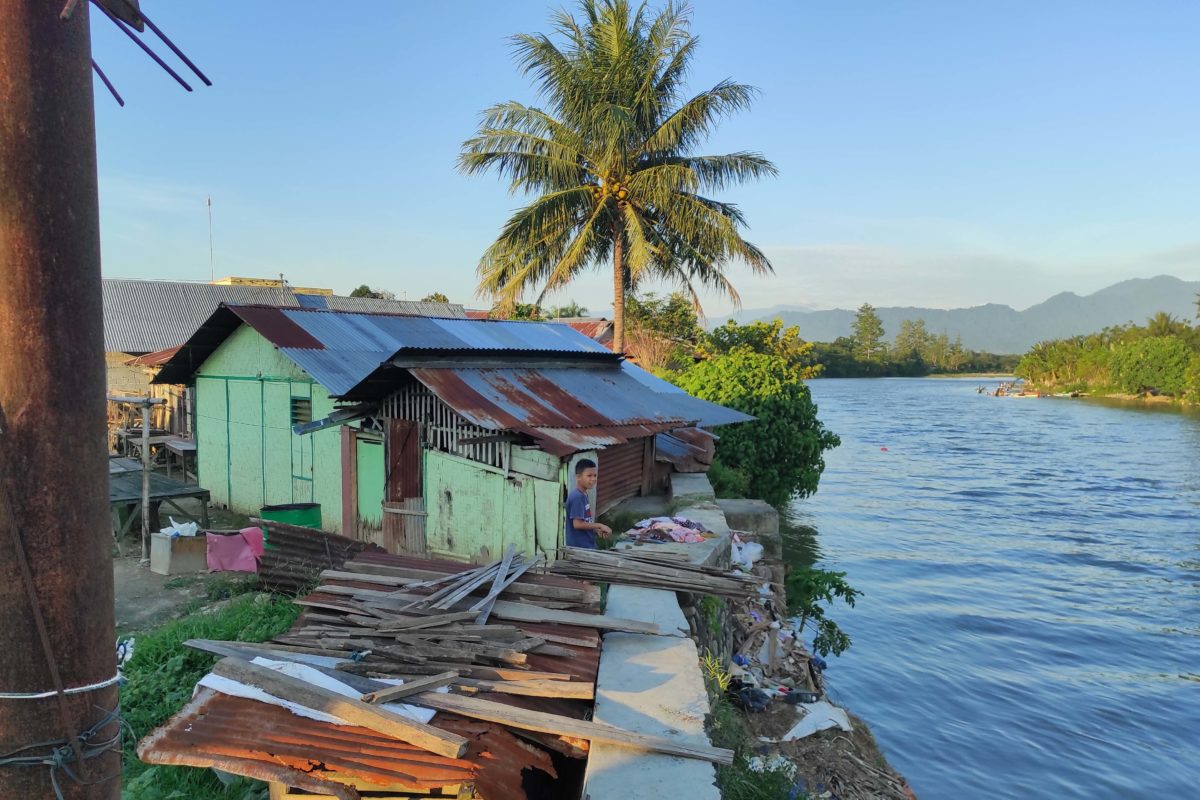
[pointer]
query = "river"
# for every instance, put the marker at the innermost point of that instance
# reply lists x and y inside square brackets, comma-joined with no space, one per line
[1030,626]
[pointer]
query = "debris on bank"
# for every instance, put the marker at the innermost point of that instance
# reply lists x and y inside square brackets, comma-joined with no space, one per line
[780,688]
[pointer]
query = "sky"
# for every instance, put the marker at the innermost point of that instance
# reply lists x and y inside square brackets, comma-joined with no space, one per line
[939,154]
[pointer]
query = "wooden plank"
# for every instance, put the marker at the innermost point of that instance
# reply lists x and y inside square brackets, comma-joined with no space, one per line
[565,726]
[518,612]
[484,606]
[411,576]
[417,623]
[567,690]
[591,642]
[351,710]
[411,687]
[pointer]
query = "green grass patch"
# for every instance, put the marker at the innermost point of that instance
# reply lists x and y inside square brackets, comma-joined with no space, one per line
[159,680]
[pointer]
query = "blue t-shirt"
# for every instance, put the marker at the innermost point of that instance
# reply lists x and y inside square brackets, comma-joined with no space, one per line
[579,507]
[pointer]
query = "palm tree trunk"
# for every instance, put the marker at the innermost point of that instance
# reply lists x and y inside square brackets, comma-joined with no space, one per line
[618,289]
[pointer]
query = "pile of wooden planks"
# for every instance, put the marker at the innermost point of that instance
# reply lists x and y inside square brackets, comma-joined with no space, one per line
[514,647]
[656,570]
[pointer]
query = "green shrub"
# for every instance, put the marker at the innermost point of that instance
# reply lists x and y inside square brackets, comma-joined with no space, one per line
[1152,364]
[780,454]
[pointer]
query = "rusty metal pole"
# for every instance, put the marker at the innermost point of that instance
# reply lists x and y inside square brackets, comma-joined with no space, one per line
[53,474]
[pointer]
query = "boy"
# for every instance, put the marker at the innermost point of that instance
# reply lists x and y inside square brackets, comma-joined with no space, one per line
[581,529]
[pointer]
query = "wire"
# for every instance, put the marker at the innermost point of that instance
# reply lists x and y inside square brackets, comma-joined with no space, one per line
[62,752]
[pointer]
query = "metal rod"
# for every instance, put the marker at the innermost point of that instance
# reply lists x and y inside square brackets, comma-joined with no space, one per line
[175,49]
[145,481]
[52,392]
[112,89]
[143,45]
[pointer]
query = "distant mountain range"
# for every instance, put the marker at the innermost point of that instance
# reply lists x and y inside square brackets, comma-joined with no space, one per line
[1000,329]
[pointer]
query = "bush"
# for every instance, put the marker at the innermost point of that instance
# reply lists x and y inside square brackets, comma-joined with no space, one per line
[1152,364]
[779,454]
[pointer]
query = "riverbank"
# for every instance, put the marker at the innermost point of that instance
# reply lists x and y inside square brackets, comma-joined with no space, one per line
[1121,398]
[833,761]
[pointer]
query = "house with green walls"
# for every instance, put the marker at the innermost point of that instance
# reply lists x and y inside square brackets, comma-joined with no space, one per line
[445,437]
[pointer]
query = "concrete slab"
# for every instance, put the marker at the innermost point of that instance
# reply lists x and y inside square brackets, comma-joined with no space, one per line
[691,487]
[646,605]
[756,516]
[650,684]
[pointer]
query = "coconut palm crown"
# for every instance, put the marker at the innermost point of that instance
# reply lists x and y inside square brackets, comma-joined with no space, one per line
[608,159]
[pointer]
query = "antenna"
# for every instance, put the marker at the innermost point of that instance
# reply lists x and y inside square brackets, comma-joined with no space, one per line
[212,276]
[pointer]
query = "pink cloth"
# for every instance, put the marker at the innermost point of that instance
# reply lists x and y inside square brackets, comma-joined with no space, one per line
[237,553]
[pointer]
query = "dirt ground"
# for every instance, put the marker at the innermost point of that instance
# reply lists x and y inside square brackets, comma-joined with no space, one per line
[146,600]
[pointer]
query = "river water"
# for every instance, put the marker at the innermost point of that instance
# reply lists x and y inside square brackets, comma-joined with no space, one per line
[1031,567]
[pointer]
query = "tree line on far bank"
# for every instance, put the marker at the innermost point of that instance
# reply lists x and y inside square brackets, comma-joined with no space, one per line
[1161,357]
[913,351]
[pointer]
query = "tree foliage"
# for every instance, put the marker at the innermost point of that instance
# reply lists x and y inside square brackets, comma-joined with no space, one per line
[571,309]
[662,332]
[767,338]
[610,160]
[868,334]
[516,311]
[780,454]
[1161,357]
[810,592]
[1156,364]
[436,297]
[366,291]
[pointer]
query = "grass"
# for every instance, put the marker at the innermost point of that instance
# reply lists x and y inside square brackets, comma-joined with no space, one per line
[160,677]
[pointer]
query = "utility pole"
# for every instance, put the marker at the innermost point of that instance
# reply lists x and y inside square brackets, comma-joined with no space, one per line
[57,660]
[212,275]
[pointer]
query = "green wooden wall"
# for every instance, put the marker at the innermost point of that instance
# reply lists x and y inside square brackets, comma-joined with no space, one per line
[475,511]
[247,455]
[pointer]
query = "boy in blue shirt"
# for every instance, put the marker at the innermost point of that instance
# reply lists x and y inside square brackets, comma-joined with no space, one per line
[581,526]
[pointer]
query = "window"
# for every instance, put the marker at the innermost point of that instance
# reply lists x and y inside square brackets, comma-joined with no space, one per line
[301,410]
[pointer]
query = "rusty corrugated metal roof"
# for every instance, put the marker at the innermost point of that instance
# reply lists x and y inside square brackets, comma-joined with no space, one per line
[599,329]
[568,410]
[267,742]
[156,359]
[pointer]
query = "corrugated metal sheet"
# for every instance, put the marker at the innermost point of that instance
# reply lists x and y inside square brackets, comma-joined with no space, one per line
[570,409]
[147,316]
[296,556]
[343,349]
[621,472]
[258,740]
[156,359]
[686,449]
[599,329]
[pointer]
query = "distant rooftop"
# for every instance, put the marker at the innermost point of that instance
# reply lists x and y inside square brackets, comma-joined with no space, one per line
[142,316]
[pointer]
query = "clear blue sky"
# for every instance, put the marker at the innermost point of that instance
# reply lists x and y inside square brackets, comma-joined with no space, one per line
[931,153]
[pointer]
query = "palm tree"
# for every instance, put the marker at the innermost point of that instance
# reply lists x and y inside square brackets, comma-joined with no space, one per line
[610,162]
[1164,324]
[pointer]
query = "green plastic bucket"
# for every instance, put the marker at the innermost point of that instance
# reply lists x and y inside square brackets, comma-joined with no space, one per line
[306,515]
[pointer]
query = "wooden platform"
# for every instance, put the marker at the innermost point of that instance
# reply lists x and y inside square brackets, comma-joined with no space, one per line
[125,499]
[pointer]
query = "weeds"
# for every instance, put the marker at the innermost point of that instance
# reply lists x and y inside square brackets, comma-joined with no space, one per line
[159,680]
